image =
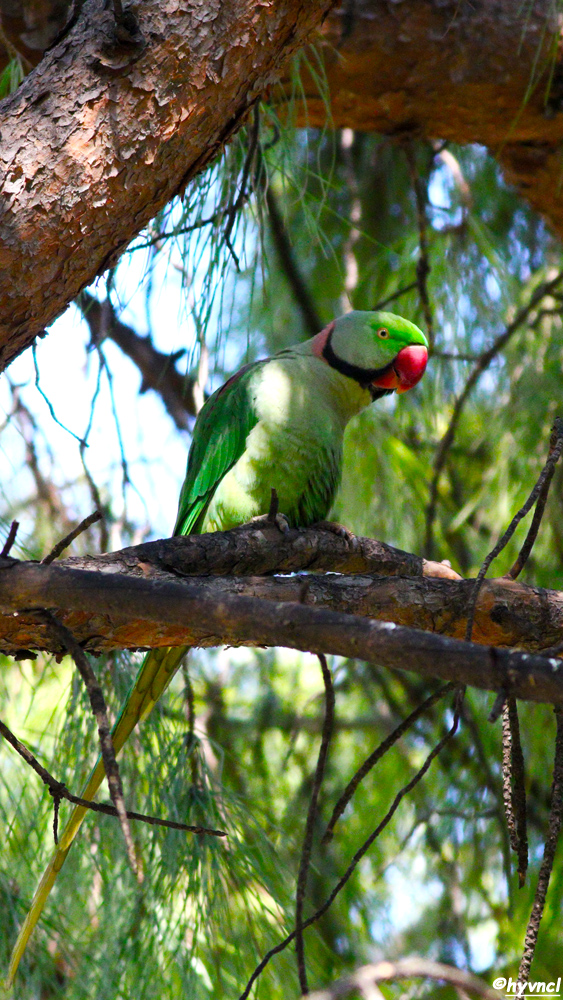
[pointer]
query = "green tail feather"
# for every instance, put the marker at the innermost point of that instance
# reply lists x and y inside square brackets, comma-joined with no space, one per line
[155,674]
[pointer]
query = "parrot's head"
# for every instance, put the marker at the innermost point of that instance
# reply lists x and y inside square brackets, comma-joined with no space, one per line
[382,352]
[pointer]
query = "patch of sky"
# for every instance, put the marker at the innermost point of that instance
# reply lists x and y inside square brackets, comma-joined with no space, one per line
[178,297]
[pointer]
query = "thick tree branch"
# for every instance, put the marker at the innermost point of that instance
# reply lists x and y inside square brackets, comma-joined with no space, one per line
[447,69]
[182,613]
[93,144]
[386,584]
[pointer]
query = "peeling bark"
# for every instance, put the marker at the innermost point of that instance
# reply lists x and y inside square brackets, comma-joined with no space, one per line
[99,137]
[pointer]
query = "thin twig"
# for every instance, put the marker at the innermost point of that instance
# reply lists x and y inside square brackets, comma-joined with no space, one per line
[159,372]
[59,791]
[50,406]
[66,541]
[423,265]
[498,705]
[555,441]
[483,363]
[290,267]
[242,196]
[396,295]
[311,820]
[513,787]
[97,701]
[507,793]
[94,491]
[555,818]
[377,754]
[519,800]
[184,231]
[360,852]
[10,538]
[190,712]
[545,475]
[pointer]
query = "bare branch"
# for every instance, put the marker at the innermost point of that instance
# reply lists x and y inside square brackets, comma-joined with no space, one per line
[311,319]
[377,754]
[554,444]
[328,726]
[361,851]
[59,791]
[158,370]
[234,210]
[406,968]
[395,295]
[10,539]
[507,790]
[539,489]
[68,539]
[555,819]
[200,613]
[97,701]
[519,799]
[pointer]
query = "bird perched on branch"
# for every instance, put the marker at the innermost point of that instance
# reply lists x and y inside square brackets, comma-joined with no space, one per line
[276,424]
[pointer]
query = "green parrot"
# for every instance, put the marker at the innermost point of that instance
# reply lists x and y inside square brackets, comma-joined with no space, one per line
[276,423]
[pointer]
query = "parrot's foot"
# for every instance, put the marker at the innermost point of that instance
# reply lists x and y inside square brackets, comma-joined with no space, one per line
[441,570]
[280,521]
[338,529]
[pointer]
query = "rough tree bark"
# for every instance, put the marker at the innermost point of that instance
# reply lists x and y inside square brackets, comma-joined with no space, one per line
[137,598]
[240,620]
[90,151]
[100,136]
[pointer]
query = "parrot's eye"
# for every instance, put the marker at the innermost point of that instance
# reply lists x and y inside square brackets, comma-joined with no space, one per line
[383,333]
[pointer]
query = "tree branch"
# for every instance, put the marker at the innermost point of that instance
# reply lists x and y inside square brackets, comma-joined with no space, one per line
[59,791]
[481,366]
[312,812]
[158,370]
[447,70]
[362,851]
[508,613]
[90,151]
[99,711]
[185,614]
[406,968]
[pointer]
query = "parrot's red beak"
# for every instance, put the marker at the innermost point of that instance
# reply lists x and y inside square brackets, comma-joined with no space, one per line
[406,370]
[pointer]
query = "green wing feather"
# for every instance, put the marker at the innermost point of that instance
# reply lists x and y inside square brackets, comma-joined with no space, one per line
[222,429]
[219,440]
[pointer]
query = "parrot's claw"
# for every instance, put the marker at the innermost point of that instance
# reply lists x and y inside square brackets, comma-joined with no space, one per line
[280,521]
[339,530]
